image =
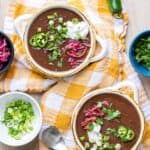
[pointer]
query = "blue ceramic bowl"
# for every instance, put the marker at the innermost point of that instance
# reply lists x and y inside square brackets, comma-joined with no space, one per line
[138,67]
[10,59]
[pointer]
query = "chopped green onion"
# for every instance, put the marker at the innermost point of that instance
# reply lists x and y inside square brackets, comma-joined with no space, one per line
[51,17]
[39,29]
[64,36]
[75,20]
[18,117]
[51,58]
[64,24]
[59,28]
[82,138]
[111,146]
[52,37]
[60,19]
[87,145]
[55,54]
[51,22]
[64,29]
[106,138]
[118,146]
[55,14]
[106,145]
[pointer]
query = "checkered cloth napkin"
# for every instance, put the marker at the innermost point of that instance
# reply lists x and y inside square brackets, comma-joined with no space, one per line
[60,99]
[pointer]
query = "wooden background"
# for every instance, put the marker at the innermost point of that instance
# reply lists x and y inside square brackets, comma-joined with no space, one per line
[139,13]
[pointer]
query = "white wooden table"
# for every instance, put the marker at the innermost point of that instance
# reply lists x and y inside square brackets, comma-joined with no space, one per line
[138,10]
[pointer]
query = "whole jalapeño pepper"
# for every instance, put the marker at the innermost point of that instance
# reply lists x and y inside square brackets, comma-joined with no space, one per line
[115,7]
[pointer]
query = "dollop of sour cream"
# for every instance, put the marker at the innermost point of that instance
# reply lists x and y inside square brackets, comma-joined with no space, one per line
[95,136]
[77,30]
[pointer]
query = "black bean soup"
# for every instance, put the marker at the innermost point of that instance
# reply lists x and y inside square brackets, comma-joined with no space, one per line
[108,121]
[59,39]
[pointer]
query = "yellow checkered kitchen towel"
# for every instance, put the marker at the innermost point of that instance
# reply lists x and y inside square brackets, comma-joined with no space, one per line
[59,101]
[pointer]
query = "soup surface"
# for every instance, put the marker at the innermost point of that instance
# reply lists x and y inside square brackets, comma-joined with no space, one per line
[59,39]
[108,121]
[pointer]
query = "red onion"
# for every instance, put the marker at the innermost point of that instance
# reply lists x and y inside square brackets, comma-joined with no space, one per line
[4,52]
[76,50]
[91,114]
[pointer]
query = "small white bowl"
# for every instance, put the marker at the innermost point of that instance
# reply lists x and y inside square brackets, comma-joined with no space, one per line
[4,136]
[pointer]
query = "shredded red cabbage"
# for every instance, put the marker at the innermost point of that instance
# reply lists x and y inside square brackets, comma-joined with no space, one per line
[76,50]
[4,52]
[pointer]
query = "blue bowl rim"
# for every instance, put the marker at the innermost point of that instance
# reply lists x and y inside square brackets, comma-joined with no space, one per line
[12,53]
[137,37]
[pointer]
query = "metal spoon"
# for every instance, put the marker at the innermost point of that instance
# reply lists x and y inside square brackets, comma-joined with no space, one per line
[53,138]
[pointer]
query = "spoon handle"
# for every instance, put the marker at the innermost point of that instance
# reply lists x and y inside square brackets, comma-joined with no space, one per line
[60,146]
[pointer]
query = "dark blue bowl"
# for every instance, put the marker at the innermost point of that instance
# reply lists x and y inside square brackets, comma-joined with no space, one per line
[10,59]
[138,67]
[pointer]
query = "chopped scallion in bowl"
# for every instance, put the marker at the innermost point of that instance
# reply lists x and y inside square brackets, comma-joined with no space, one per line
[18,118]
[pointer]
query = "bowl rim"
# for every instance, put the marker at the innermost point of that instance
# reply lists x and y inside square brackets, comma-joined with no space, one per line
[70,72]
[37,106]
[10,60]
[106,91]
[130,51]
